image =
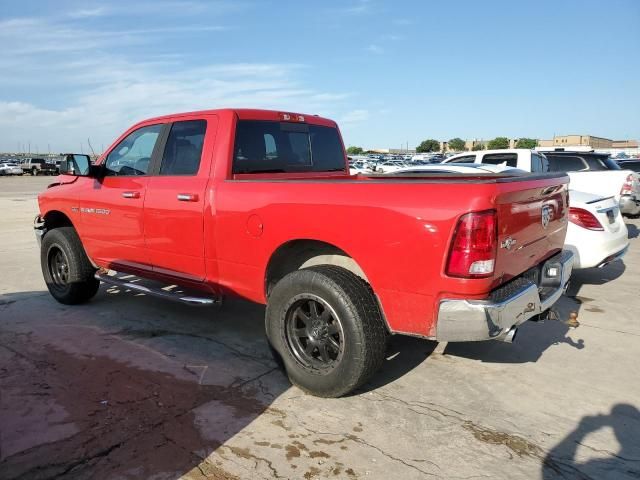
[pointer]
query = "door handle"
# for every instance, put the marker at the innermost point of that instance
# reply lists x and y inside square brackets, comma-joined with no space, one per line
[187,197]
[131,194]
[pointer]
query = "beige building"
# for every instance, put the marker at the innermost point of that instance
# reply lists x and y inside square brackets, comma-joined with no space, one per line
[577,140]
[625,144]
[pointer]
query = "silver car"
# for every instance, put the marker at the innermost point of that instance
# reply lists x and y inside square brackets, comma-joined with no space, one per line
[10,169]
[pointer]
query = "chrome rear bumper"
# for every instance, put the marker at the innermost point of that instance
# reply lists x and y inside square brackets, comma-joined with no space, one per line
[509,306]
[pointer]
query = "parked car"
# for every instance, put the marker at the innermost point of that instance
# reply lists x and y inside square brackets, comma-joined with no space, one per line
[597,234]
[10,169]
[589,171]
[233,202]
[389,166]
[596,173]
[632,164]
[37,166]
[521,158]
[459,168]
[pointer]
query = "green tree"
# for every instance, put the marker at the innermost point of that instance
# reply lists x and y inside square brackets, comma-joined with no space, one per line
[498,143]
[456,144]
[526,143]
[430,145]
[478,146]
[354,150]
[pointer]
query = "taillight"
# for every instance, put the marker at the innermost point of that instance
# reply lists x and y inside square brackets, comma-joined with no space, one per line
[474,246]
[584,219]
[627,186]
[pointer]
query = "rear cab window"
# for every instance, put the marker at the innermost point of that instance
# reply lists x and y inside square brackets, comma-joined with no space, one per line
[464,159]
[508,159]
[264,146]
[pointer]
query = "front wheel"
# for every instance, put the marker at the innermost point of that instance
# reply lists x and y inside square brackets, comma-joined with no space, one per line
[66,268]
[326,326]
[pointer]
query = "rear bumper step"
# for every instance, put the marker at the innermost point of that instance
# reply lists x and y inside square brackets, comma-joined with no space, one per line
[509,306]
[160,292]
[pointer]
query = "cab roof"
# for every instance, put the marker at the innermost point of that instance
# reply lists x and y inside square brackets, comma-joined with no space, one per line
[253,114]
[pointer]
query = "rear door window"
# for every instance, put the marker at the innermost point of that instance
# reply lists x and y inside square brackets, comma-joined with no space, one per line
[183,149]
[285,147]
[508,159]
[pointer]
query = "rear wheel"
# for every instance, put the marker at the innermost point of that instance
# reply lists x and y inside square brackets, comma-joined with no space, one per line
[66,268]
[34,172]
[325,326]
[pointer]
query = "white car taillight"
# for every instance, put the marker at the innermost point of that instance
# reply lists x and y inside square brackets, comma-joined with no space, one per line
[627,186]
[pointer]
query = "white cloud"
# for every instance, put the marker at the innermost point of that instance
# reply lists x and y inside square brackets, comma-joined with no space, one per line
[76,82]
[354,117]
[358,7]
[377,49]
[88,12]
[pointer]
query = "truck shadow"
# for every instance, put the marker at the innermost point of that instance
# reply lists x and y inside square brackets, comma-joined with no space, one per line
[124,387]
[562,460]
[535,338]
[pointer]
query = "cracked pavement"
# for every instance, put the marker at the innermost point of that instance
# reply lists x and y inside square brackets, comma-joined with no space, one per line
[132,387]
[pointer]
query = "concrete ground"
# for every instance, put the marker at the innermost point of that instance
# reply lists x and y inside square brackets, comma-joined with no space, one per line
[130,387]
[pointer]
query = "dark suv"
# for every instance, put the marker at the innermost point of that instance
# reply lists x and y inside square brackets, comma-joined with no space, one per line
[632,164]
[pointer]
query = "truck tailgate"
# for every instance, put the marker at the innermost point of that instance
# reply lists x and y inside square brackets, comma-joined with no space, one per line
[531,227]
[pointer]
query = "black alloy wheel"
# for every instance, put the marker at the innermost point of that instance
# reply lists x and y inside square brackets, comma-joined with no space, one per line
[314,332]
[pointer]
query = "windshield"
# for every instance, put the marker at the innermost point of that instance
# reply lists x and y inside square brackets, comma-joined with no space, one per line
[284,147]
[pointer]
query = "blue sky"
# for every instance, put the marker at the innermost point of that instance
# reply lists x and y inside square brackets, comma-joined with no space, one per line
[389,72]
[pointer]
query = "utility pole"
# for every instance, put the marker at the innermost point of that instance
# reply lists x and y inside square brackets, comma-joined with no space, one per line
[29,147]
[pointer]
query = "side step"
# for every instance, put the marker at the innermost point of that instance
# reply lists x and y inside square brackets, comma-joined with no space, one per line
[179,296]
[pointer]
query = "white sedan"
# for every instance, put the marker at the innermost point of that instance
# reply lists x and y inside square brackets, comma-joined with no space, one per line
[10,169]
[596,234]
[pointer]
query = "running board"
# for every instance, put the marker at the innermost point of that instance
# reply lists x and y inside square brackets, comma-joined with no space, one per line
[156,292]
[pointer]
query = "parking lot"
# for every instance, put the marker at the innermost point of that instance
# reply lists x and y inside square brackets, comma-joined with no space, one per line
[128,386]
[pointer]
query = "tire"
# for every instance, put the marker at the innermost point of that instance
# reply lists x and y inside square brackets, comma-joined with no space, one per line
[66,268]
[34,172]
[346,336]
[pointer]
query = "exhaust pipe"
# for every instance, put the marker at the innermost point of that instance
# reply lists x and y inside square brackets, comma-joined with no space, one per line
[509,336]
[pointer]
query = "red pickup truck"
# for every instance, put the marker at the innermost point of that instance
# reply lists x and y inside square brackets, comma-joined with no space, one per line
[260,204]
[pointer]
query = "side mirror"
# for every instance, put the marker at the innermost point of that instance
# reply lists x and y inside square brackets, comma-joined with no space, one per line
[75,164]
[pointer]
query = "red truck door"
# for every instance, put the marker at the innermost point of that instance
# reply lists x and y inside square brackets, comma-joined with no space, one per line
[176,198]
[112,209]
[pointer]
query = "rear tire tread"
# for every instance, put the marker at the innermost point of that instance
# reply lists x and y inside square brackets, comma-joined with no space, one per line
[370,333]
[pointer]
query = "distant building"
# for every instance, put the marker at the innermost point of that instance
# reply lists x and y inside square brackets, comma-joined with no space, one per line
[577,141]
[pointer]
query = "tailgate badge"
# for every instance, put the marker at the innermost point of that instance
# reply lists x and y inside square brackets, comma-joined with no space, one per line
[547,215]
[508,243]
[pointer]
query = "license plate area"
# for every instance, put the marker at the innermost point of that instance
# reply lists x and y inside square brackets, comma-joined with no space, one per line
[610,216]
